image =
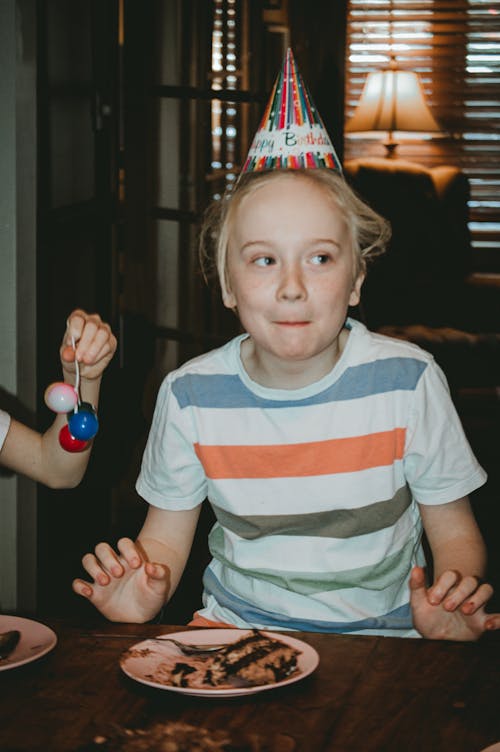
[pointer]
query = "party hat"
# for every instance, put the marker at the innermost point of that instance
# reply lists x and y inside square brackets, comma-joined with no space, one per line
[291,134]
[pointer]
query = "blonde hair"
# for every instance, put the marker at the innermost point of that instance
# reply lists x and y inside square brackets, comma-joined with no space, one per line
[369,232]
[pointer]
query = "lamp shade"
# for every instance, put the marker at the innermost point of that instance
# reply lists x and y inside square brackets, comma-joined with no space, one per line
[392,100]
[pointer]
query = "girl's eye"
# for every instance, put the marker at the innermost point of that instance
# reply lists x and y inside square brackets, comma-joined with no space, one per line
[264,261]
[321,258]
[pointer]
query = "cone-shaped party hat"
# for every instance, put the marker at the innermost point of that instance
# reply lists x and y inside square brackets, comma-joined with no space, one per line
[291,134]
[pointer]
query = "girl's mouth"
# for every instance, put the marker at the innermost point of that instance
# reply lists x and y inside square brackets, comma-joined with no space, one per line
[293,323]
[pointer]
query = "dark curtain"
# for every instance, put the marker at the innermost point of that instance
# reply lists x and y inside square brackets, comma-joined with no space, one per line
[318,40]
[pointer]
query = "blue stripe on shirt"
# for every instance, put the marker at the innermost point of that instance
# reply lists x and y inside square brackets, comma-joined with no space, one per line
[398,619]
[228,391]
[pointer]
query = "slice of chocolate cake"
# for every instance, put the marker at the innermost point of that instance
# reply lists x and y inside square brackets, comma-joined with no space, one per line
[255,659]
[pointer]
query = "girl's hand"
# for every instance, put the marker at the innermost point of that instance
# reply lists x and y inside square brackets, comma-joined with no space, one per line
[125,587]
[453,608]
[95,345]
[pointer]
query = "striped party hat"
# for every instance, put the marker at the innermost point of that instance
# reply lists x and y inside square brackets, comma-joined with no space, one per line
[291,135]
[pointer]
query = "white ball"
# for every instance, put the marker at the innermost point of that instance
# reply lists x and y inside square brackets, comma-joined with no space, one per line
[61,397]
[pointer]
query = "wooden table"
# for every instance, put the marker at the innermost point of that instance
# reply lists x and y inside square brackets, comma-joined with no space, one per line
[368,693]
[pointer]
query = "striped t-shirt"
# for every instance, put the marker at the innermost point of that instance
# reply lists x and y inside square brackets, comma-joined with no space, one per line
[315,490]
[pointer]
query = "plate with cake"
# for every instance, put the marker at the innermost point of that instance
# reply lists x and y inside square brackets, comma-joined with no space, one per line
[251,661]
[34,640]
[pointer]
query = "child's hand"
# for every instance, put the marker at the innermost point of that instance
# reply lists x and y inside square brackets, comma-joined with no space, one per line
[95,345]
[453,608]
[126,588]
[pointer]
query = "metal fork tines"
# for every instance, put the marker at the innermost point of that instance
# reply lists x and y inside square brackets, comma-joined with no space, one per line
[189,649]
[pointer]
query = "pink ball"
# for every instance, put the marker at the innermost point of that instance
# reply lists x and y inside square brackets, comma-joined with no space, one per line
[61,397]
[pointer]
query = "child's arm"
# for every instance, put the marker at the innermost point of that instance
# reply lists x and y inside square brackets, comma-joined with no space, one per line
[132,586]
[40,456]
[453,607]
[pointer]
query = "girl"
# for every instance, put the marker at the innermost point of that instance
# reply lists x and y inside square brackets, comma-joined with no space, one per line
[324,450]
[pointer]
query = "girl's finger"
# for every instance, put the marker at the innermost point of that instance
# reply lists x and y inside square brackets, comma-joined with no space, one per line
[95,570]
[80,587]
[443,585]
[68,354]
[88,334]
[478,599]
[492,622]
[468,586]
[155,571]
[158,578]
[75,325]
[101,347]
[108,560]
[130,552]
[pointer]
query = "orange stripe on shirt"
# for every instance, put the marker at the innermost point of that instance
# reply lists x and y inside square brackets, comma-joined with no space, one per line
[301,460]
[202,621]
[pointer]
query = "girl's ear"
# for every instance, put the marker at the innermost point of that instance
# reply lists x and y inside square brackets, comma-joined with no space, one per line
[228,298]
[355,296]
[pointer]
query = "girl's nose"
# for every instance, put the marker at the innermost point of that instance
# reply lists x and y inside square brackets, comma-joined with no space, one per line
[291,285]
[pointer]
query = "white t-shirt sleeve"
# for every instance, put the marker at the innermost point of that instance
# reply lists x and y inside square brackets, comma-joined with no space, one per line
[439,463]
[4,426]
[171,475]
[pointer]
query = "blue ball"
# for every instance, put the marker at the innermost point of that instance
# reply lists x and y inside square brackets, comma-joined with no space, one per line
[83,424]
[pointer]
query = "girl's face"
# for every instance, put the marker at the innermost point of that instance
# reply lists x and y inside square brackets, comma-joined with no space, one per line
[291,277]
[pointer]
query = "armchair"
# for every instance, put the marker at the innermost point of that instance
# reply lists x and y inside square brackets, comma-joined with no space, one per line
[423,288]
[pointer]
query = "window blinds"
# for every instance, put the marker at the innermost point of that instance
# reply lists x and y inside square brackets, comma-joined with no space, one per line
[454,46]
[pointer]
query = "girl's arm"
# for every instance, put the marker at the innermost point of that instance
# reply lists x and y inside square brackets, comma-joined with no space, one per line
[453,607]
[40,456]
[454,538]
[167,537]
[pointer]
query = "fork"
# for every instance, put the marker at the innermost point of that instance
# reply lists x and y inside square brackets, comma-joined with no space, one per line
[189,649]
[185,647]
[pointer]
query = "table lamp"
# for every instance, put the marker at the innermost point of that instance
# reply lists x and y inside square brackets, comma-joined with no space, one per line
[392,100]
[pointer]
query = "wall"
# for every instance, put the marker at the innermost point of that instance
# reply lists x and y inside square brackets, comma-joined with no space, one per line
[17,290]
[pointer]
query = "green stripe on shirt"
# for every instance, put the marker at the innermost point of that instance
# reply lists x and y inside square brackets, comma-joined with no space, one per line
[390,570]
[336,523]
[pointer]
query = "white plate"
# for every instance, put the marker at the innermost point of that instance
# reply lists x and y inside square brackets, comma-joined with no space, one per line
[142,660]
[36,640]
